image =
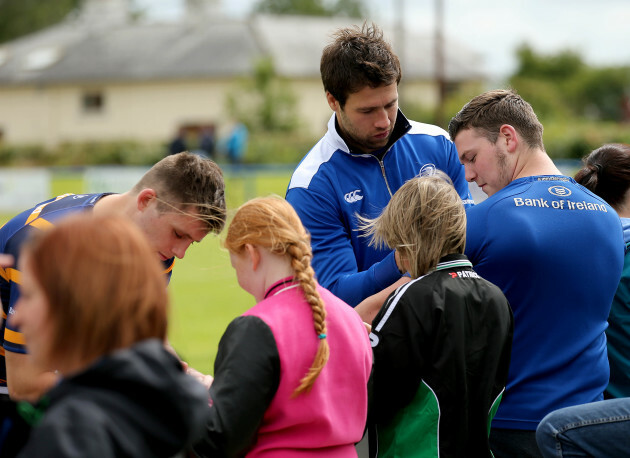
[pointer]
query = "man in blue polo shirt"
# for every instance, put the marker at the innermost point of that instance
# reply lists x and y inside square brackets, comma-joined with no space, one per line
[554,248]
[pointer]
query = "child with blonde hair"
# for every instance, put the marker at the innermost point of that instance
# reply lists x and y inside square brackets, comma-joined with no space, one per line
[291,373]
[442,341]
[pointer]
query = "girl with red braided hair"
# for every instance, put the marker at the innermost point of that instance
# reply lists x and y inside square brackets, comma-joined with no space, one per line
[291,373]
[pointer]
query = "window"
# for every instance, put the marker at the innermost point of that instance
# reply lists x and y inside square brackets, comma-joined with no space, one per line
[93,102]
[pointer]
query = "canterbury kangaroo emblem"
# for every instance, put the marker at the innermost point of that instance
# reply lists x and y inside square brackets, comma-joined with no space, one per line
[353,196]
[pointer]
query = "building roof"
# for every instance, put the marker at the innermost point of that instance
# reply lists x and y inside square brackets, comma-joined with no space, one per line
[82,50]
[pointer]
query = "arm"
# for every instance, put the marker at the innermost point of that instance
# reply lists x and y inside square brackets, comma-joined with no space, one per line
[369,307]
[247,375]
[334,259]
[26,381]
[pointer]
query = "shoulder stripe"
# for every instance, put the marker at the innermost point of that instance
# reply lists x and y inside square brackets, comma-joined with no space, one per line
[43,224]
[14,337]
[304,173]
[35,213]
[394,301]
[14,275]
[419,128]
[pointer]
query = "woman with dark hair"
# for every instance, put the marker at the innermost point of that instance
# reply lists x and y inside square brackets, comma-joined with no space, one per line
[602,428]
[93,308]
[606,172]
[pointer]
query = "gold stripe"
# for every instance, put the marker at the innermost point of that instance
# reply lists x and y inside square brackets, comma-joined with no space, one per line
[35,213]
[14,337]
[41,223]
[167,270]
[14,275]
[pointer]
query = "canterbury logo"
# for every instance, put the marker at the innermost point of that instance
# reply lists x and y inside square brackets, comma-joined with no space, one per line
[353,196]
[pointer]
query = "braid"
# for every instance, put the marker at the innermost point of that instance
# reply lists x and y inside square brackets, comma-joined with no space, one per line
[301,263]
[272,223]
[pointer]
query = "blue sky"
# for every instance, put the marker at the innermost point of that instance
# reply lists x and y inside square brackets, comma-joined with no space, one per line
[598,30]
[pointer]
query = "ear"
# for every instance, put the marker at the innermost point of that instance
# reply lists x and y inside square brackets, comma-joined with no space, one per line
[509,135]
[254,255]
[145,197]
[332,102]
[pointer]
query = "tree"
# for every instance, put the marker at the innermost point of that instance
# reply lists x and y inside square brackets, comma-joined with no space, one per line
[265,101]
[22,17]
[555,66]
[562,84]
[348,8]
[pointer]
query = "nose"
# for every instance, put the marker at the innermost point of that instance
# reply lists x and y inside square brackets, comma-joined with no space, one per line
[469,173]
[382,119]
[179,249]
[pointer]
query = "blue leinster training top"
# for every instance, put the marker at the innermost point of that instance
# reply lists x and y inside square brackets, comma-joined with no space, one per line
[556,250]
[332,185]
[12,235]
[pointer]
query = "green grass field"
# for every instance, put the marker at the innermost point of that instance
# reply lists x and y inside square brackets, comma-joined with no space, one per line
[205,295]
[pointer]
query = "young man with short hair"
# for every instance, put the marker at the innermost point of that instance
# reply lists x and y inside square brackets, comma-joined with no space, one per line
[177,202]
[554,248]
[369,151]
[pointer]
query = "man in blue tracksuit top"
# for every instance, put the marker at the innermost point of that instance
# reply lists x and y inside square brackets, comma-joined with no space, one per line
[369,151]
[556,251]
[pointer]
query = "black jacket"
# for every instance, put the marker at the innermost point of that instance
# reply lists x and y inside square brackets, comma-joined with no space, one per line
[441,348]
[135,402]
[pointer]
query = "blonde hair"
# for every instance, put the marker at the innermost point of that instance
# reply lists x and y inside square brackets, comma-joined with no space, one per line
[271,223]
[424,220]
[104,285]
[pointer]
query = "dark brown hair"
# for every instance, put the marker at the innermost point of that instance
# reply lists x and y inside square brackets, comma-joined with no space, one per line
[606,172]
[358,57]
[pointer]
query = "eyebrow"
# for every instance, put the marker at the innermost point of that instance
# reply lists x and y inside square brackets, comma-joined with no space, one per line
[391,102]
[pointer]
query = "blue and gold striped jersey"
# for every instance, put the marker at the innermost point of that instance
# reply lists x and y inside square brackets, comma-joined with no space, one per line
[12,235]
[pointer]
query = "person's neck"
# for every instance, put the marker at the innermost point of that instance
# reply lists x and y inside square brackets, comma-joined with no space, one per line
[532,162]
[115,204]
[276,268]
[623,209]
